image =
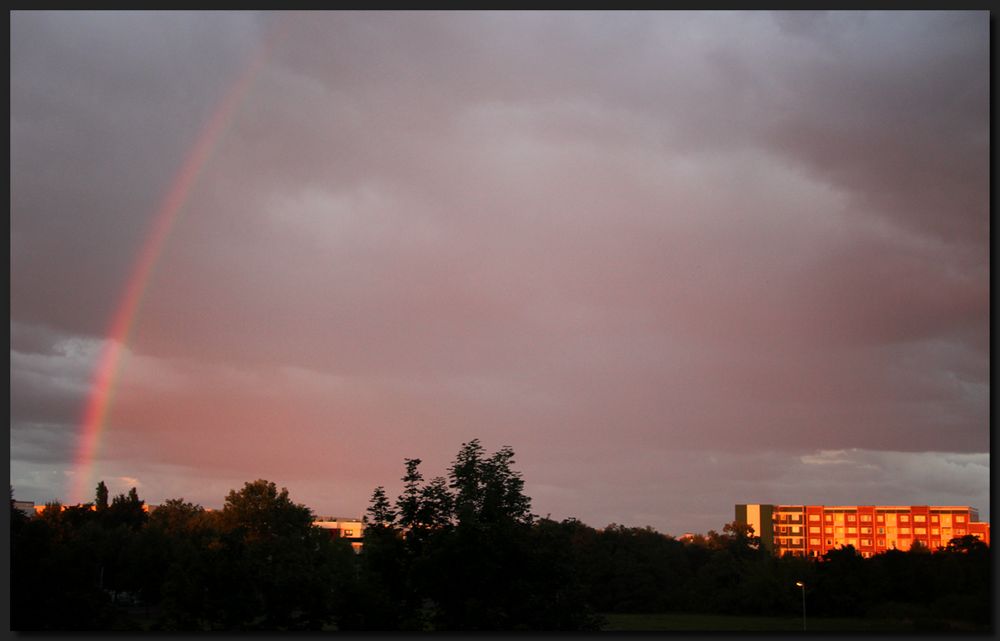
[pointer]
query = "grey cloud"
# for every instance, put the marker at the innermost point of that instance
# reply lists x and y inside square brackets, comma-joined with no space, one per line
[103,106]
[42,443]
[50,380]
[895,117]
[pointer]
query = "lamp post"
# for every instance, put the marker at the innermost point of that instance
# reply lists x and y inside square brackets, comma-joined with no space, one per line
[802,585]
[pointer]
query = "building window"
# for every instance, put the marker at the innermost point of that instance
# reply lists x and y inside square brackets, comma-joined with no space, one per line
[881,543]
[904,518]
[919,518]
[866,530]
[829,518]
[867,518]
[959,519]
[813,529]
[852,530]
[866,542]
[881,530]
[935,531]
[920,530]
[934,518]
[959,532]
[880,518]
[813,541]
[851,518]
[829,541]
[348,532]
[904,530]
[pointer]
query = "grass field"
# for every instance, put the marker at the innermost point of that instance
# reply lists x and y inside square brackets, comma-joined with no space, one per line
[710,622]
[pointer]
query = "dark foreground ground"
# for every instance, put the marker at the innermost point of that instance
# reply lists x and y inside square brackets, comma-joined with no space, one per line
[710,622]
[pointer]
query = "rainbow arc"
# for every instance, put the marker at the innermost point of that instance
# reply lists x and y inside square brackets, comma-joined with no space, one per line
[106,373]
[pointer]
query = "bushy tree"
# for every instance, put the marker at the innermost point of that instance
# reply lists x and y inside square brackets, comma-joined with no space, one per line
[468,558]
[126,510]
[260,512]
[488,489]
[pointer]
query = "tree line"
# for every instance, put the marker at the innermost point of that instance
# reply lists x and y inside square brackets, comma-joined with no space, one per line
[456,552]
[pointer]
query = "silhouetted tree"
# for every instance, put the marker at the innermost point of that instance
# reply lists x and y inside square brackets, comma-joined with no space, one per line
[380,513]
[286,574]
[408,503]
[126,510]
[175,516]
[101,497]
[470,558]
[261,512]
[436,507]
[488,490]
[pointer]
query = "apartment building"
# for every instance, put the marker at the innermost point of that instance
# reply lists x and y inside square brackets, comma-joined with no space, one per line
[814,530]
[351,529]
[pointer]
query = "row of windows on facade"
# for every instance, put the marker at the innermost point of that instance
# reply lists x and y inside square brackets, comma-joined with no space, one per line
[867,518]
[793,541]
[840,530]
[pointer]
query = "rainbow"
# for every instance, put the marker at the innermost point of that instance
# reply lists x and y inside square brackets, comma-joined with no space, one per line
[106,372]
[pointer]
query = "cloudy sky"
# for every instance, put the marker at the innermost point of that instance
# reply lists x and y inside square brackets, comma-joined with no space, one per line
[677,261]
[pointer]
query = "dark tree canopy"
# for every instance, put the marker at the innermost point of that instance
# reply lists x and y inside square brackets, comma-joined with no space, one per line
[262,512]
[487,489]
[471,556]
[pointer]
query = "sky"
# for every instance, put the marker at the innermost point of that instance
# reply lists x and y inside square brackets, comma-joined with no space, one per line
[677,261]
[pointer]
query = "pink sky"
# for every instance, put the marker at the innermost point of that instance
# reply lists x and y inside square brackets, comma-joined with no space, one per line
[677,261]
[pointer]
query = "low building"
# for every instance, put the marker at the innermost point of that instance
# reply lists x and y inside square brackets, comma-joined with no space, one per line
[814,530]
[148,509]
[351,529]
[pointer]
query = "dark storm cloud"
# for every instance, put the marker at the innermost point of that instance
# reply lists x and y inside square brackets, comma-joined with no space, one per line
[103,106]
[590,236]
[41,443]
[50,375]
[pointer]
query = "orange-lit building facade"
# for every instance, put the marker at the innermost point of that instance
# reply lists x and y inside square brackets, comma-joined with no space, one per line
[814,530]
[90,506]
[351,529]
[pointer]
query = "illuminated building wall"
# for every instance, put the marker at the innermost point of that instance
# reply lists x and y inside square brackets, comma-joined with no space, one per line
[351,529]
[813,530]
[90,506]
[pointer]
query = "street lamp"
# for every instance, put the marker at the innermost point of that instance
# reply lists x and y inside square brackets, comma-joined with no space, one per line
[802,585]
